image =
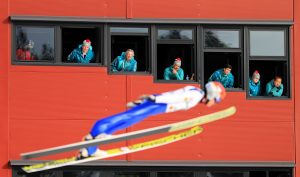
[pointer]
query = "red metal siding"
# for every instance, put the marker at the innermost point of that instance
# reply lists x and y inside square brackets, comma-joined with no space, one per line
[58,100]
[83,8]
[4,55]
[296,55]
[232,9]
[217,9]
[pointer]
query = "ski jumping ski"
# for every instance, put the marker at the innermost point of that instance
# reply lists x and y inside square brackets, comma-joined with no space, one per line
[116,151]
[136,134]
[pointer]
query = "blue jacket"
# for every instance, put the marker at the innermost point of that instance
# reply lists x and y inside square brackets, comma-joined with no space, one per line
[168,74]
[121,64]
[254,89]
[76,55]
[271,90]
[226,80]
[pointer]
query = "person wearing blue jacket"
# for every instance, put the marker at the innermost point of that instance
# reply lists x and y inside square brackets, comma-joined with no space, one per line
[224,76]
[174,72]
[274,87]
[125,62]
[254,84]
[83,54]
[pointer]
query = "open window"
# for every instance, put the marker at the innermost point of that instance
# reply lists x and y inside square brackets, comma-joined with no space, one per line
[167,53]
[34,44]
[173,43]
[214,61]
[222,47]
[72,39]
[134,38]
[268,70]
[267,53]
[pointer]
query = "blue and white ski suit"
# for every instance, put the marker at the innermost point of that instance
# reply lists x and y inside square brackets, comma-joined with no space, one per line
[181,99]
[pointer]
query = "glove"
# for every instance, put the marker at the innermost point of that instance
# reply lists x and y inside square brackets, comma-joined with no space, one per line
[140,100]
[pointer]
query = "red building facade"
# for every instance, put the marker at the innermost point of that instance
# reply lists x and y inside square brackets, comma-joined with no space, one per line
[46,104]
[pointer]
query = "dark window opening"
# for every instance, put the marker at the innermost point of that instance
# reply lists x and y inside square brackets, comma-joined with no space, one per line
[257,174]
[73,37]
[139,44]
[268,70]
[167,53]
[175,174]
[214,61]
[131,174]
[226,174]
[279,174]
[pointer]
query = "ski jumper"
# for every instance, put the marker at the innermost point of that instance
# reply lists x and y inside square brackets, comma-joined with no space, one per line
[181,99]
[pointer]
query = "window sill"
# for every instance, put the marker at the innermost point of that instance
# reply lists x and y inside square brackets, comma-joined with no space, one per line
[129,73]
[267,98]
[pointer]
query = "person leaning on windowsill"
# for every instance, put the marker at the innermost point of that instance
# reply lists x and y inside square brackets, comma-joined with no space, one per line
[274,87]
[83,54]
[125,62]
[174,72]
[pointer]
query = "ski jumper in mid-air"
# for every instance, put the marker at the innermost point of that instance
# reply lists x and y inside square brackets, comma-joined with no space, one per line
[150,105]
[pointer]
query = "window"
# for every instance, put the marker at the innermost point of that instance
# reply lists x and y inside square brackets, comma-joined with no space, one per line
[156,171]
[223,47]
[268,55]
[77,36]
[214,61]
[34,44]
[134,38]
[176,43]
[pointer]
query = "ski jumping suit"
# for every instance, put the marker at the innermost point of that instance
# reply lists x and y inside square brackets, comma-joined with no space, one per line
[181,99]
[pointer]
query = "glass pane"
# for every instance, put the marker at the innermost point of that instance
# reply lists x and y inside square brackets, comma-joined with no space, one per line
[131,174]
[225,174]
[175,174]
[128,30]
[267,43]
[222,38]
[175,34]
[34,43]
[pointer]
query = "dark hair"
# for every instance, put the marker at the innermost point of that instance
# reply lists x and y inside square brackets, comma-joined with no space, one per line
[277,77]
[228,66]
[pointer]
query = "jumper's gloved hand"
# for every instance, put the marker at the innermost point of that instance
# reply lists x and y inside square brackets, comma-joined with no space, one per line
[140,100]
[215,93]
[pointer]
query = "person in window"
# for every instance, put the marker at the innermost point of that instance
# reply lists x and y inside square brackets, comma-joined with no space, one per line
[83,54]
[274,87]
[174,72]
[26,52]
[125,62]
[224,76]
[254,84]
